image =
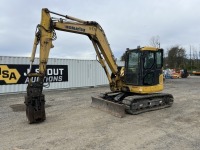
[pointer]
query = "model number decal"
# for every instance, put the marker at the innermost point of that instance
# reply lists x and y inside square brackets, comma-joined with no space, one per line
[75,28]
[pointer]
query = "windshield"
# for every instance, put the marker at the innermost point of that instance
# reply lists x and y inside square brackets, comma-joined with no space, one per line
[132,67]
[133,60]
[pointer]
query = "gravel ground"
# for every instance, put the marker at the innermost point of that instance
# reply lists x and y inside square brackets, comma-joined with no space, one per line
[72,124]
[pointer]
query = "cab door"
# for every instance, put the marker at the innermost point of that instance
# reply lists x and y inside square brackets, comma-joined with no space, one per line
[152,66]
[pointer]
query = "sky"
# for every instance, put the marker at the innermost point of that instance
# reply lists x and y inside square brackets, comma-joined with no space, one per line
[127,24]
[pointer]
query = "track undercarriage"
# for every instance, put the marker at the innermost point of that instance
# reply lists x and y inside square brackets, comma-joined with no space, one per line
[119,103]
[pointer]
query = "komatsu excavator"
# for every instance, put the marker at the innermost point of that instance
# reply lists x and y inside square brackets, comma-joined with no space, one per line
[134,87]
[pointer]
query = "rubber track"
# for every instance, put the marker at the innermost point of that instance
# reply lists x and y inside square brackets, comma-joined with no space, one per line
[137,104]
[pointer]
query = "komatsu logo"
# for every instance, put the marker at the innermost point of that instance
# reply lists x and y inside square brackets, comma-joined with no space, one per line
[9,75]
[75,28]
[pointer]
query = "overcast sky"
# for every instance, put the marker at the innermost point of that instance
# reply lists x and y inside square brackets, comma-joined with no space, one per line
[127,24]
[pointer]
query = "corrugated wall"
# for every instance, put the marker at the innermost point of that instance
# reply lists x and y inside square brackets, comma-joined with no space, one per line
[81,73]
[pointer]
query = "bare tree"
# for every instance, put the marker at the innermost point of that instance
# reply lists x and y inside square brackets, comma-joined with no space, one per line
[155,41]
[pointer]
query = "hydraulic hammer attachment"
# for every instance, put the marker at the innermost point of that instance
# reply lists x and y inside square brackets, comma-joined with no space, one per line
[35,103]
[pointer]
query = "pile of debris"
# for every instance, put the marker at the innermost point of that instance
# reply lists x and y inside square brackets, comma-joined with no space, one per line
[175,74]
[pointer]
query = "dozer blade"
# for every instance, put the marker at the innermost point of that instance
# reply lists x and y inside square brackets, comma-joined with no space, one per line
[115,109]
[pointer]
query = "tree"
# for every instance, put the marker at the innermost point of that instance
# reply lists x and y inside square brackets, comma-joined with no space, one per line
[176,57]
[122,58]
[155,41]
[194,59]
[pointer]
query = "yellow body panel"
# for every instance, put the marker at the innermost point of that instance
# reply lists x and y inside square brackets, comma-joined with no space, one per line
[147,89]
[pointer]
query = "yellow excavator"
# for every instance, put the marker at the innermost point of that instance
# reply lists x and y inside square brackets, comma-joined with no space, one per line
[134,87]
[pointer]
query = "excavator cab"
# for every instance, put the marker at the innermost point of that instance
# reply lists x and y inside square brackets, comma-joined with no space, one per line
[143,67]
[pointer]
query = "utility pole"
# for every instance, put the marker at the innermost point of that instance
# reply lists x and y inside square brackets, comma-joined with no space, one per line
[199,59]
[190,60]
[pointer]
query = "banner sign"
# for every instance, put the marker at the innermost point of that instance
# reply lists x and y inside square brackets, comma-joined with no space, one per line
[17,74]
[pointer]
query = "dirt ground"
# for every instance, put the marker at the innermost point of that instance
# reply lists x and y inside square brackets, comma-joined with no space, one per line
[72,124]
